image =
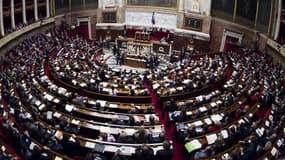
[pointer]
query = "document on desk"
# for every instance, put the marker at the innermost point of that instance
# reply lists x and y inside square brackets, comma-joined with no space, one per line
[125,150]
[42,106]
[92,102]
[188,113]
[198,123]
[68,107]
[267,123]
[114,130]
[99,148]
[104,129]
[202,109]
[58,134]
[113,105]
[75,122]
[211,138]
[208,121]
[57,158]
[225,134]
[49,97]
[102,103]
[260,131]
[49,114]
[56,100]
[216,118]
[110,148]
[38,103]
[130,131]
[193,145]
[273,151]
[241,121]
[155,86]
[155,149]
[57,115]
[213,104]
[32,145]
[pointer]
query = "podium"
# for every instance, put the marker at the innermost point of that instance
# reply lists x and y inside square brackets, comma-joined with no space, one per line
[142,36]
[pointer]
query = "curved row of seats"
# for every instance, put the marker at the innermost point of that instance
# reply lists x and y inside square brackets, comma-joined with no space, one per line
[39,110]
[25,88]
[264,91]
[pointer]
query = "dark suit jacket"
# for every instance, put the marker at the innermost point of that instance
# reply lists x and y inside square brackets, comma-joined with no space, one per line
[144,155]
[164,154]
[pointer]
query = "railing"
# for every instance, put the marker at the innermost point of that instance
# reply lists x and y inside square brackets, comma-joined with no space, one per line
[26,29]
[276,46]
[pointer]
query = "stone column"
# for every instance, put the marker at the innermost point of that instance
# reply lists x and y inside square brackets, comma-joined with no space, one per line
[24,11]
[1,19]
[36,9]
[47,9]
[12,14]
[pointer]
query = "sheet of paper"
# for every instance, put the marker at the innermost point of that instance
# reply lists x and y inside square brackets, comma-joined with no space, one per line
[75,122]
[155,149]
[198,123]
[102,103]
[90,145]
[113,105]
[48,97]
[104,129]
[32,145]
[202,109]
[42,106]
[273,151]
[49,114]
[68,107]
[56,100]
[127,150]
[111,148]
[38,103]
[57,115]
[130,131]
[208,121]
[58,134]
[216,118]
[211,138]
[57,158]
[225,134]
[193,145]
[99,148]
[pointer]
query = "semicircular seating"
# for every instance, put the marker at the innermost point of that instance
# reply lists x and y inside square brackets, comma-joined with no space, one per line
[61,100]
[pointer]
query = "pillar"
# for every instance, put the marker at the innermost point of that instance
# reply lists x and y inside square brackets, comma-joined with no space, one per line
[36,9]
[12,14]
[24,11]
[1,19]
[47,9]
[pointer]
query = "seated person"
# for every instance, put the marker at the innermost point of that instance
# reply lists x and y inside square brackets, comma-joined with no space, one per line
[166,153]
[144,153]
[106,137]
[208,151]
[141,136]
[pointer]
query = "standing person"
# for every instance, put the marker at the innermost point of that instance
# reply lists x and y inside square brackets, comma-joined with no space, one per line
[114,50]
[182,55]
[118,57]
[122,58]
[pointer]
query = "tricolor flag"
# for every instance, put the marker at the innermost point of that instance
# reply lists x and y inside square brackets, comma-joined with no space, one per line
[153,19]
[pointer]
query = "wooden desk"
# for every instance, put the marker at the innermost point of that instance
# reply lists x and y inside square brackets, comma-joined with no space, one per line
[133,62]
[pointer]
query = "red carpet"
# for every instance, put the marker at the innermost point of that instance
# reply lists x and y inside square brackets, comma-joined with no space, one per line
[177,147]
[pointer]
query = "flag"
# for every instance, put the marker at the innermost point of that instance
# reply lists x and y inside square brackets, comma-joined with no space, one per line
[153,19]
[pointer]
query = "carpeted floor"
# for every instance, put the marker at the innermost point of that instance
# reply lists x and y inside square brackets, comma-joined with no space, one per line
[177,147]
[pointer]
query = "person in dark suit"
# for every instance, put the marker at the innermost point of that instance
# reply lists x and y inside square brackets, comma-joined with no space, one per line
[144,153]
[166,153]
[248,150]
